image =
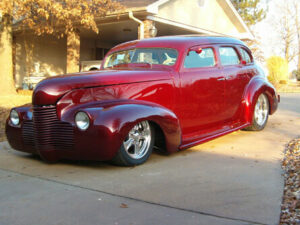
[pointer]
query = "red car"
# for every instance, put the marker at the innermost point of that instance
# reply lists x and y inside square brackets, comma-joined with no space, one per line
[169,93]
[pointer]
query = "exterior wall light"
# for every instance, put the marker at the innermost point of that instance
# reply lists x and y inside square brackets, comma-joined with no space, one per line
[153,31]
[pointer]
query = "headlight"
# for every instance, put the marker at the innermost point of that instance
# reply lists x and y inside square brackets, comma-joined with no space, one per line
[14,117]
[82,120]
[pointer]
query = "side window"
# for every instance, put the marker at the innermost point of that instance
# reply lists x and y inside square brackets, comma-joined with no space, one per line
[205,59]
[245,55]
[228,56]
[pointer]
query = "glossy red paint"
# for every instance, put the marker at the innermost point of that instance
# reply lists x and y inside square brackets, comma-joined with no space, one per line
[188,105]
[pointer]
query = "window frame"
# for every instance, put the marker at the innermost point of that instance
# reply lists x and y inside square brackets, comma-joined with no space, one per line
[249,53]
[236,51]
[184,69]
[128,49]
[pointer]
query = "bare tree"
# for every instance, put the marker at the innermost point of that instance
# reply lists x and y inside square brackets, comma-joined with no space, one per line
[286,30]
[289,30]
[297,24]
[255,46]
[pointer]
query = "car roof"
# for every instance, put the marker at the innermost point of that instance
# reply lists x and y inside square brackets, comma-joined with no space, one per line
[178,42]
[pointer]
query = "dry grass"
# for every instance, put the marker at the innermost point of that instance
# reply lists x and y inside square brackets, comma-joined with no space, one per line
[6,103]
[289,87]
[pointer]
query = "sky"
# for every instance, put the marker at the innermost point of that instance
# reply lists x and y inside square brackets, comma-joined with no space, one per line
[268,32]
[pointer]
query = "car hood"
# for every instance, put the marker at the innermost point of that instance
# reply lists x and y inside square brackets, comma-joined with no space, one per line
[50,90]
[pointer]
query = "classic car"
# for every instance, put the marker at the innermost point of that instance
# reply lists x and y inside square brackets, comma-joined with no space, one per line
[168,93]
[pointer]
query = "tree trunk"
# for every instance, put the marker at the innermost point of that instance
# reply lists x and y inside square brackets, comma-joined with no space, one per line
[73,52]
[7,84]
[287,38]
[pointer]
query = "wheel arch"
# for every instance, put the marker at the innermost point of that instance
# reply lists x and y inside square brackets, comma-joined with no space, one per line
[257,86]
[93,68]
[113,122]
[160,139]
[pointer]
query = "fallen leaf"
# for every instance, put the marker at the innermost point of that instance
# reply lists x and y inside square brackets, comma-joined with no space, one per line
[123,205]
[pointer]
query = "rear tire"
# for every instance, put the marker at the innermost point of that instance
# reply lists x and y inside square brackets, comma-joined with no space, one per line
[260,115]
[137,146]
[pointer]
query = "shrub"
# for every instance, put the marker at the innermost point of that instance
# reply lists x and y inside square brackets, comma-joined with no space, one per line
[278,70]
[282,82]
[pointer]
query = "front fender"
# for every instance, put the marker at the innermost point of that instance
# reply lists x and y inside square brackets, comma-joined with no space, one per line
[111,122]
[257,86]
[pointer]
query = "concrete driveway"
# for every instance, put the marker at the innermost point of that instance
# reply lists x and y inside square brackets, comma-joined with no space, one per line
[235,179]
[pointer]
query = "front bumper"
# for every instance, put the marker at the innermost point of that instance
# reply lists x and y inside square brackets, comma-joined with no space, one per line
[45,134]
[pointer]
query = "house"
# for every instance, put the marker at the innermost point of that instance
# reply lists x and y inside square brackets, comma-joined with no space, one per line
[47,56]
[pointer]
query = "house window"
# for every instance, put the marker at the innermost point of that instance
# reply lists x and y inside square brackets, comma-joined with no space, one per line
[228,56]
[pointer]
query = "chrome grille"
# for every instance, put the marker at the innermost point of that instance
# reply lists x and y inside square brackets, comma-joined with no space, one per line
[28,133]
[46,132]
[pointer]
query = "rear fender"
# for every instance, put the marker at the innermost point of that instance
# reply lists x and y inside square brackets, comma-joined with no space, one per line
[257,86]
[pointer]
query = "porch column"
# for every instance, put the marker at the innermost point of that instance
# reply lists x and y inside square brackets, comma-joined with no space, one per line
[6,57]
[148,25]
[73,52]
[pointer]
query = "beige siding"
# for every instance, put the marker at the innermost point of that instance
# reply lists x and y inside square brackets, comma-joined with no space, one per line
[211,16]
[48,51]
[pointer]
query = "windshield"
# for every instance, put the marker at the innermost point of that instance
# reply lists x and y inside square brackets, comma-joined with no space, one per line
[160,56]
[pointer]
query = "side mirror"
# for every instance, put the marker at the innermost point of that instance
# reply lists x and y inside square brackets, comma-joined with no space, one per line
[198,50]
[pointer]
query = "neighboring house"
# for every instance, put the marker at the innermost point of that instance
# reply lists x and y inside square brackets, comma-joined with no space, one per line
[160,18]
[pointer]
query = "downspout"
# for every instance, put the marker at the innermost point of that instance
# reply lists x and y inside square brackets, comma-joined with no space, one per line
[141,36]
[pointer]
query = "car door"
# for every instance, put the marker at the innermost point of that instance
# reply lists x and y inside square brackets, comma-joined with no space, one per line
[201,104]
[236,79]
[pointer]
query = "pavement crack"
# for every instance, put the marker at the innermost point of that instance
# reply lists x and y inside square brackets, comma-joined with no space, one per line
[134,199]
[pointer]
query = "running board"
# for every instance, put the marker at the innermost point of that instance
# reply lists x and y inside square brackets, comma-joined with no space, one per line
[202,140]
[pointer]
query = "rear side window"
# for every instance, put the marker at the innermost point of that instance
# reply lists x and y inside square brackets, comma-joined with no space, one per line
[205,59]
[228,56]
[245,55]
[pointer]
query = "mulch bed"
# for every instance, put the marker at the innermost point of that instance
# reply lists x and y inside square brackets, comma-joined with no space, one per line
[290,208]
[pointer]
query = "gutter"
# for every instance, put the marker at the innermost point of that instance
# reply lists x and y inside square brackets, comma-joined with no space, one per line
[141,33]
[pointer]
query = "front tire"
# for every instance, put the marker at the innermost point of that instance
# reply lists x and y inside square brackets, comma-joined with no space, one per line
[260,115]
[137,146]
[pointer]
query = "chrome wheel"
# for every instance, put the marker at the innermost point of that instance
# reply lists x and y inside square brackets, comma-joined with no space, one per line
[261,110]
[138,141]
